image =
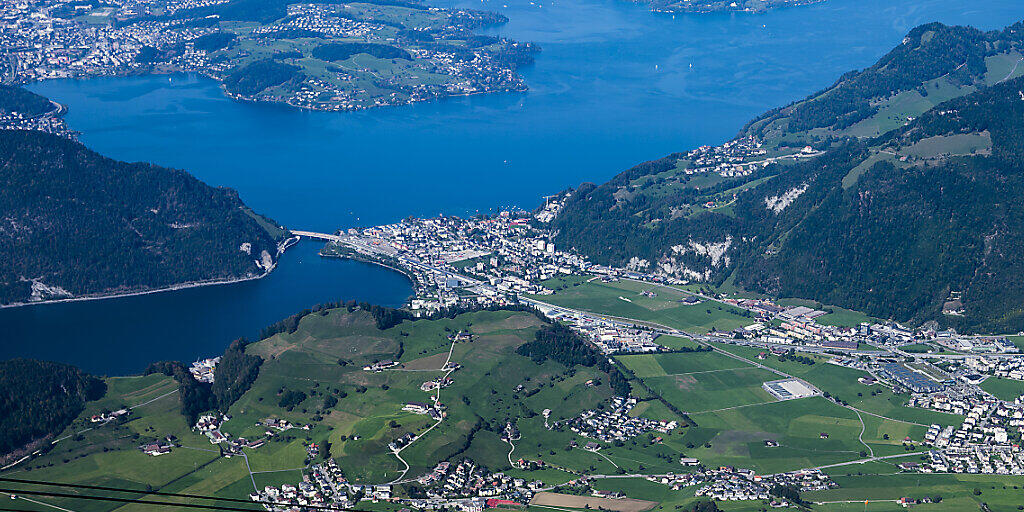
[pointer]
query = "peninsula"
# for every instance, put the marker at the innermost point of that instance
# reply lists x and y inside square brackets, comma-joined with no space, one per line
[320,56]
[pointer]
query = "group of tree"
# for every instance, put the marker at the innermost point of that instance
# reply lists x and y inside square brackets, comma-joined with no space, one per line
[233,376]
[561,344]
[39,399]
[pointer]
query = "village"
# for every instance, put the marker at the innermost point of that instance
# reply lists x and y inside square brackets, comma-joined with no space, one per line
[613,423]
[738,157]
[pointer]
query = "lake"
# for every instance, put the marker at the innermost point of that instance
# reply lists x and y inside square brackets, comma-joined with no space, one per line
[614,85]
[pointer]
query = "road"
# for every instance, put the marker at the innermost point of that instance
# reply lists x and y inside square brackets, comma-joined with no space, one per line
[437,400]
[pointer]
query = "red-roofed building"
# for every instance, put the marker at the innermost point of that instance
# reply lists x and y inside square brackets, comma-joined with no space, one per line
[496,503]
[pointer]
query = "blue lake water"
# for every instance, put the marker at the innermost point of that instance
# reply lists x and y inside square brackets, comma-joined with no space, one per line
[614,85]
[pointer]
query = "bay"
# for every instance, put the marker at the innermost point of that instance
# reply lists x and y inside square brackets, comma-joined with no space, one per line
[614,85]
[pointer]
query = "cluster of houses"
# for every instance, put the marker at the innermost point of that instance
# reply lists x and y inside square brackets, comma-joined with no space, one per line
[209,425]
[455,261]
[203,370]
[50,122]
[105,417]
[738,157]
[798,325]
[613,339]
[59,39]
[987,441]
[467,479]
[727,483]
[613,423]
[436,410]
[46,41]
[435,384]
[1006,368]
[324,485]
[158,447]
[998,460]
[978,344]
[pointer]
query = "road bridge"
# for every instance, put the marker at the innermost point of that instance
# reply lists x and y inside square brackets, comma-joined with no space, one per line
[318,236]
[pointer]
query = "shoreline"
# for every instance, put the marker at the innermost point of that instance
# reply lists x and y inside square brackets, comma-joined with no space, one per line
[281,248]
[408,275]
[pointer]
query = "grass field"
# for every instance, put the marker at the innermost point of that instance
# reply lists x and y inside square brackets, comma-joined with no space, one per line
[957,491]
[842,383]
[1004,389]
[624,299]
[735,416]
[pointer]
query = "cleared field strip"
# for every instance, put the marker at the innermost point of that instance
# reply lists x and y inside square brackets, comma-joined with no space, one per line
[713,391]
[552,499]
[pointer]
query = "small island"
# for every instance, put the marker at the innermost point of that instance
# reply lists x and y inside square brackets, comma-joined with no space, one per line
[337,56]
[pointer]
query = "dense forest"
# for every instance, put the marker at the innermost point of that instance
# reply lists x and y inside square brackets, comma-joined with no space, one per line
[888,225]
[256,76]
[234,374]
[40,398]
[26,103]
[342,51]
[75,223]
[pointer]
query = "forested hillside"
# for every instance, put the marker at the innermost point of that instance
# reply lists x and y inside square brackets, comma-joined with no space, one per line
[26,103]
[905,192]
[936,210]
[74,223]
[40,398]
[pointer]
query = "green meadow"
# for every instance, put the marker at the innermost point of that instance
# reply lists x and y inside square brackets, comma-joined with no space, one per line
[627,299]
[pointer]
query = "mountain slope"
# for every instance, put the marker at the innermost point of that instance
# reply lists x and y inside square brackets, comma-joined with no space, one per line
[866,195]
[39,399]
[936,210]
[74,223]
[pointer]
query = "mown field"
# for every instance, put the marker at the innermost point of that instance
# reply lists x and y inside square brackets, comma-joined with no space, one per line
[735,416]
[624,299]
